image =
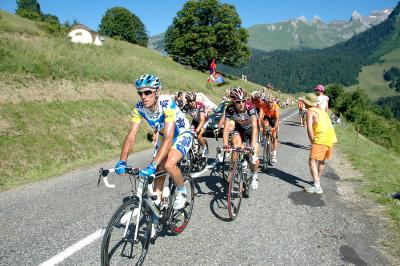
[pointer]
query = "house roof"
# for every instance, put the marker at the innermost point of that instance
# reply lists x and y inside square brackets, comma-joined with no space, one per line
[83,27]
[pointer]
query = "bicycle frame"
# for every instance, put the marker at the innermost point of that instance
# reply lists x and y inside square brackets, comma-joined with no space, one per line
[140,193]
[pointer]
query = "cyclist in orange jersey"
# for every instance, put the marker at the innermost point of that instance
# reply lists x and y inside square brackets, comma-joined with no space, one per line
[269,117]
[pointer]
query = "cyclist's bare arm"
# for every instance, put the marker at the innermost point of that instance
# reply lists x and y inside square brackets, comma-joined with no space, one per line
[221,122]
[129,141]
[261,119]
[166,143]
[278,116]
[254,131]
[226,130]
[202,121]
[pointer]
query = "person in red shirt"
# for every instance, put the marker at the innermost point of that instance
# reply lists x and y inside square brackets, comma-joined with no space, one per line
[300,105]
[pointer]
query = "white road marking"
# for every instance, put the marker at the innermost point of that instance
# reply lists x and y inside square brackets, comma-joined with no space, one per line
[289,116]
[74,248]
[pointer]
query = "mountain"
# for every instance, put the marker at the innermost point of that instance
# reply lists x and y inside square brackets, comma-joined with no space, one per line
[301,34]
[156,42]
[295,71]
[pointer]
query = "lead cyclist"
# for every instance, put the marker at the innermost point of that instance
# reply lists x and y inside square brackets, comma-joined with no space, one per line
[175,138]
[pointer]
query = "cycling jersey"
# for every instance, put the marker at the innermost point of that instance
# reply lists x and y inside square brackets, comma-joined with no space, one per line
[271,112]
[195,112]
[167,111]
[242,119]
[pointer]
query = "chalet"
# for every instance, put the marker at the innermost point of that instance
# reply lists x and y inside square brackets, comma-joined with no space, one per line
[81,34]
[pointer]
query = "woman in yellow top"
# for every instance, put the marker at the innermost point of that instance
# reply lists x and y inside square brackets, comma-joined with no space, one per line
[322,136]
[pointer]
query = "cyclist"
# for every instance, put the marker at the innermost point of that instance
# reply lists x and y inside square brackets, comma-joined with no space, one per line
[174,141]
[197,111]
[302,112]
[243,115]
[269,117]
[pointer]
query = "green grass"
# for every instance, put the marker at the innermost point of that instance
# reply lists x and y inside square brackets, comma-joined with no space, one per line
[42,139]
[380,170]
[56,58]
[371,77]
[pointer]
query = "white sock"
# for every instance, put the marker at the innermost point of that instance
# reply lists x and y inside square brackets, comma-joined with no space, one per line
[317,185]
[274,153]
[255,176]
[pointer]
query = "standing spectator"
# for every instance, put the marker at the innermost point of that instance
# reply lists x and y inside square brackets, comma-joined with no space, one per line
[301,107]
[322,99]
[322,136]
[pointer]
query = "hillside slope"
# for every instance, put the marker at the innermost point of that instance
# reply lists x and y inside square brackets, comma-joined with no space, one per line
[302,70]
[371,79]
[64,105]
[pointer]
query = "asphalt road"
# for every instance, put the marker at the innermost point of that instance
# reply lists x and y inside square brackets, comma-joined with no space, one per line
[279,224]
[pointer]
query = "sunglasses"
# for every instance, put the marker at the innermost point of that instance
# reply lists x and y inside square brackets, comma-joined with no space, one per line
[148,92]
[190,101]
[239,102]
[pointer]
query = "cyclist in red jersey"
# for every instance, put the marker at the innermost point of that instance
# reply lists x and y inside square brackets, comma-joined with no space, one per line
[244,116]
[197,111]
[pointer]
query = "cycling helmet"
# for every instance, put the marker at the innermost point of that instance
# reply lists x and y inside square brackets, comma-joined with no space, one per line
[148,81]
[320,88]
[237,94]
[257,95]
[190,96]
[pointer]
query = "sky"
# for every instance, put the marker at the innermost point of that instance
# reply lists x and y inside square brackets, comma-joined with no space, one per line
[157,15]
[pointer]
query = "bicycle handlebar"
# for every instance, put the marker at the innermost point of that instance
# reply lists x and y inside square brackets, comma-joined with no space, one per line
[103,173]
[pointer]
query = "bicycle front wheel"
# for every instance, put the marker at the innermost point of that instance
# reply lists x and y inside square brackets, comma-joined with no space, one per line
[119,246]
[234,192]
[180,218]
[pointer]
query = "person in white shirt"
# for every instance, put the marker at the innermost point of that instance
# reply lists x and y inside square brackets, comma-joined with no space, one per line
[322,99]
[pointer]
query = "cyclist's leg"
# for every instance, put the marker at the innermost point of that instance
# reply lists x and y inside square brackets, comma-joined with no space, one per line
[236,143]
[178,150]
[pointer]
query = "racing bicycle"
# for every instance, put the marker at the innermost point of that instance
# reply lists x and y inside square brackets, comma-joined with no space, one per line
[139,220]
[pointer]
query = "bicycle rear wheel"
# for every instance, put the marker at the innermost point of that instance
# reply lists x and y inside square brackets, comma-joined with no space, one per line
[179,219]
[118,246]
[234,192]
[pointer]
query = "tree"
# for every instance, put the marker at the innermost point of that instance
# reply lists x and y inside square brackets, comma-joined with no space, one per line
[31,5]
[29,9]
[334,91]
[206,29]
[121,23]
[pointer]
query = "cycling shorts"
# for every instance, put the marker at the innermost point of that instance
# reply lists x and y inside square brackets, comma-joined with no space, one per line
[271,120]
[245,134]
[182,143]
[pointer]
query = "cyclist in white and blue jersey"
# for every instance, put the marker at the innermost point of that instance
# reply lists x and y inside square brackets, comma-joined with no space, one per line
[175,138]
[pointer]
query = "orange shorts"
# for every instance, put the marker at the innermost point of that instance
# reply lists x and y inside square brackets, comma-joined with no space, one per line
[320,152]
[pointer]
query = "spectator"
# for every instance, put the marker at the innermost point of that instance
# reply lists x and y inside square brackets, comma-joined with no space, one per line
[322,136]
[301,107]
[322,99]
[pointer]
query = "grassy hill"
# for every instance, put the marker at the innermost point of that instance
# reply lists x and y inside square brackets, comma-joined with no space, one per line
[371,79]
[64,105]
